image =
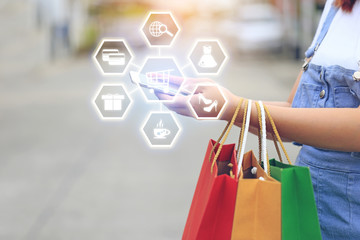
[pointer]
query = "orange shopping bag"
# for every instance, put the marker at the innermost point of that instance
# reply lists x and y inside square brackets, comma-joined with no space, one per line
[257,213]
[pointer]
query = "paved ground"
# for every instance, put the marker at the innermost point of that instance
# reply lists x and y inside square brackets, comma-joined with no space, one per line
[65,174]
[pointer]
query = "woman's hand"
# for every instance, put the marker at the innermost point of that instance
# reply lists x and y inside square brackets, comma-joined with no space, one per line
[180,103]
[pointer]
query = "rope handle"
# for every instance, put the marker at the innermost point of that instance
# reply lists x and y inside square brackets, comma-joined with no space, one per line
[218,141]
[226,131]
[222,134]
[259,135]
[275,131]
[264,156]
[276,147]
[243,136]
[259,129]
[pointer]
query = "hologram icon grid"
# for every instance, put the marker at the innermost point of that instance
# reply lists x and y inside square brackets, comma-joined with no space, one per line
[155,29]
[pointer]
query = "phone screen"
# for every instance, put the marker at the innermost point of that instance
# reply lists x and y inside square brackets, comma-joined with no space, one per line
[158,84]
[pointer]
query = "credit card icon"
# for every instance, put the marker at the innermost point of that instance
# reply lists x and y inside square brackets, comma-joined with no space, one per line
[113,57]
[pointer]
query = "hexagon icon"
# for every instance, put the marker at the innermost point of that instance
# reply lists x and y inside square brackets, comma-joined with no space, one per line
[112,56]
[160,29]
[207,57]
[156,74]
[161,129]
[205,106]
[112,101]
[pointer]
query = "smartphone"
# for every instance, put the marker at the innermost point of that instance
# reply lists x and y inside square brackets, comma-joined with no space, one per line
[158,85]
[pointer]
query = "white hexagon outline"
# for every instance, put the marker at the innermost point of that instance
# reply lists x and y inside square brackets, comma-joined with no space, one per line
[98,49]
[97,108]
[142,89]
[175,137]
[173,39]
[220,112]
[222,63]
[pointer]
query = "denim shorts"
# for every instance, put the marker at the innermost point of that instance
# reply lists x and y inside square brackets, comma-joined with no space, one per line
[337,196]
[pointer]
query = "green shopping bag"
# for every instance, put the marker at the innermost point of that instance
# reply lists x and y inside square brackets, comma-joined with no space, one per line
[299,219]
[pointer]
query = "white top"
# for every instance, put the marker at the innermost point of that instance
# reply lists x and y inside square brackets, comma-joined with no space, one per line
[341,45]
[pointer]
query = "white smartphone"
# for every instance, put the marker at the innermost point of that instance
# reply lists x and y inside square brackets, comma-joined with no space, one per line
[158,85]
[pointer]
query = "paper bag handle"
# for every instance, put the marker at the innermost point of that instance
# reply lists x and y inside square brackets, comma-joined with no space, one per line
[243,135]
[225,132]
[262,123]
[277,136]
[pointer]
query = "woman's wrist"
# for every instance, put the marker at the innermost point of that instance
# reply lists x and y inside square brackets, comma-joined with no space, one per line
[231,107]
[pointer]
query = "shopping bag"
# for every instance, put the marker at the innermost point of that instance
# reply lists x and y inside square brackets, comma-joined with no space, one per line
[212,208]
[299,215]
[257,212]
[258,204]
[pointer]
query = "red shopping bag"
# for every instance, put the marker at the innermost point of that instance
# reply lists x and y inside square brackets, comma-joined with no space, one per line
[212,209]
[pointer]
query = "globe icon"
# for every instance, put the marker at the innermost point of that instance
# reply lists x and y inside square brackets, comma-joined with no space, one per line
[155,30]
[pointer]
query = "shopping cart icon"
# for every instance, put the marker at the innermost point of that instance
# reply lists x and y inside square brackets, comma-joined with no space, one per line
[159,79]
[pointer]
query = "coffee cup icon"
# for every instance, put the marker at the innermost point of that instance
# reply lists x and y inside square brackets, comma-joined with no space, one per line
[161,133]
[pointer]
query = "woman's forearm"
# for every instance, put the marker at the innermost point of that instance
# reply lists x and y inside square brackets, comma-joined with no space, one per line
[329,128]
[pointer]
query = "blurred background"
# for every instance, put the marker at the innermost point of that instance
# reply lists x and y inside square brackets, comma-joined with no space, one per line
[67,174]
